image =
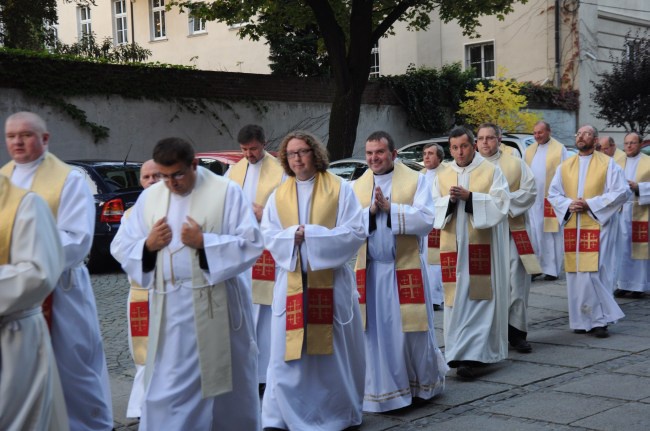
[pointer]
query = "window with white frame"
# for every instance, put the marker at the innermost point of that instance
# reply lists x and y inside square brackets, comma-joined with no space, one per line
[374,61]
[83,17]
[197,25]
[158,19]
[121,28]
[480,57]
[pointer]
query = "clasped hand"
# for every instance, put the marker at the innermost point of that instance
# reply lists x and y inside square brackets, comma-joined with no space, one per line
[381,203]
[161,235]
[579,205]
[458,192]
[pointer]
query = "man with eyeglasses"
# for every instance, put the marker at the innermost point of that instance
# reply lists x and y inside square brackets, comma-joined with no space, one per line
[586,191]
[71,306]
[634,274]
[543,157]
[471,208]
[259,174]
[403,359]
[523,261]
[191,239]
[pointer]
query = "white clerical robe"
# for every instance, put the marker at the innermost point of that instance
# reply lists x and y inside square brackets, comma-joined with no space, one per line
[76,337]
[477,330]
[399,365]
[316,392]
[634,274]
[519,280]
[172,397]
[433,271]
[548,246]
[261,312]
[30,391]
[591,303]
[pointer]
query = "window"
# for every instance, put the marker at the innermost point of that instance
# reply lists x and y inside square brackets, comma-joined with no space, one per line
[197,25]
[633,49]
[85,27]
[374,61]
[158,19]
[480,58]
[121,28]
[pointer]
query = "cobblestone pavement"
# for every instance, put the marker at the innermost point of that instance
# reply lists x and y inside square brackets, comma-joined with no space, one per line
[569,382]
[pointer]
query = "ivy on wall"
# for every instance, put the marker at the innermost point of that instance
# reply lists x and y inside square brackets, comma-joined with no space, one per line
[54,79]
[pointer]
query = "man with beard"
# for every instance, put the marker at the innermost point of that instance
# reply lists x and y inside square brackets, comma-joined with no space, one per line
[585,192]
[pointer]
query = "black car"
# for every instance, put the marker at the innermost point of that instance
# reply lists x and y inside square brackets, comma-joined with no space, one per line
[115,186]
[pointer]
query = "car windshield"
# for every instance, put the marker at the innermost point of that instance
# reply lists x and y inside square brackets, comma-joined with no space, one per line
[119,176]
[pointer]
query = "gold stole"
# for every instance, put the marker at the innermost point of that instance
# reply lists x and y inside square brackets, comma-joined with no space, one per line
[138,316]
[506,149]
[620,157]
[640,213]
[320,284]
[480,240]
[211,313]
[511,168]
[270,178]
[588,245]
[10,198]
[408,267]
[48,183]
[553,160]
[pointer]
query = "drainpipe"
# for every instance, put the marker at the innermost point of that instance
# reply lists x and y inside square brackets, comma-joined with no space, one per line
[557,44]
[132,25]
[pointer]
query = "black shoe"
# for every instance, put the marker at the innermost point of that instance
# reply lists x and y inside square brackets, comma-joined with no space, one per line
[599,332]
[534,276]
[437,307]
[620,293]
[550,278]
[466,372]
[262,388]
[637,295]
[579,331]
[522,346]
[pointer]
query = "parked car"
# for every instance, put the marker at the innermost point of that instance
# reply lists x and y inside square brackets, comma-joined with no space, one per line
[351,169]
[413,151]
[219,161]
[115,185]
[645,147]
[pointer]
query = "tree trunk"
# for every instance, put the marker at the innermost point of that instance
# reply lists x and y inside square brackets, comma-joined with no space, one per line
[344,119]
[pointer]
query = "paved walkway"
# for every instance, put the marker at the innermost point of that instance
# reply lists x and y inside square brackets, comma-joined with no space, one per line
[569,382]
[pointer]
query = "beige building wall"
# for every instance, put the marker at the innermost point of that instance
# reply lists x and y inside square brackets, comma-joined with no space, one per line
[218,48]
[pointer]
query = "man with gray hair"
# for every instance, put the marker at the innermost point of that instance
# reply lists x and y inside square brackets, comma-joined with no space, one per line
[70,310]
[586,191]
[607,145]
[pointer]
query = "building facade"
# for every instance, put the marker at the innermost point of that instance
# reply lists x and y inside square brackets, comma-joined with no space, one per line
[564,42]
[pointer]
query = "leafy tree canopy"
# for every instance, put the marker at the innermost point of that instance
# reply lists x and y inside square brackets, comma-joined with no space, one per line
[622,96]
[500,103]
[348,29]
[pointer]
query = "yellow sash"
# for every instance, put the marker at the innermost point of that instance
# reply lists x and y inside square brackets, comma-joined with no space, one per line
[320,284]
[511,168]
[270,178]
[138,316]
[620,157]
[48,183]
[640,213]
[480,240]
[10,198]
[506,149]
[408,267]
[553,160]
[588,245]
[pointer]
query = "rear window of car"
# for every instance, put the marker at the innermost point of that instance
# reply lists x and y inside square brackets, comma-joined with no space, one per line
[119,176]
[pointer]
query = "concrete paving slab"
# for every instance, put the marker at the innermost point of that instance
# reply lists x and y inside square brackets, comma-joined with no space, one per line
[544,314]
[610,385]
[569,356]
[549,302]
[639,369]
[121,390]
[413,412]
[638,328]
[488,423]
[458,392]
[378,422]
[550,288]
[518,373]
[617,340]
[630,416]
[556,407]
